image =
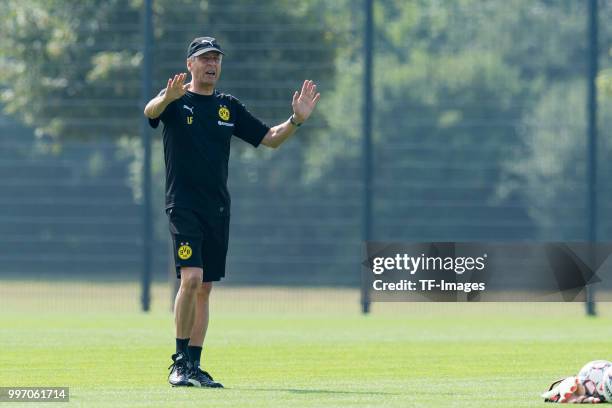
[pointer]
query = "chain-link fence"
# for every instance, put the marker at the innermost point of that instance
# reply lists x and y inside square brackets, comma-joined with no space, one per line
[480,130]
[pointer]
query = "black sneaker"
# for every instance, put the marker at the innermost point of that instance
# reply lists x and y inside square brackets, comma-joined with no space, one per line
[180,371]
[203,379]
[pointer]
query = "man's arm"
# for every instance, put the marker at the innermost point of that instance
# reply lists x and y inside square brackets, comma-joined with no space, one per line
[303,104]
[174,90]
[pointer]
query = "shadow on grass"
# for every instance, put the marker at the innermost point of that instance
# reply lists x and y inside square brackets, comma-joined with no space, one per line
[314,391]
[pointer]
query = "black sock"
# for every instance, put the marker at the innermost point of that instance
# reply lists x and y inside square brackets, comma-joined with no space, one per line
[195,353]
[181,346]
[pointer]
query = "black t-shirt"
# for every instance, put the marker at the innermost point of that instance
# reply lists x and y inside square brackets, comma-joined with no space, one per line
[197,132]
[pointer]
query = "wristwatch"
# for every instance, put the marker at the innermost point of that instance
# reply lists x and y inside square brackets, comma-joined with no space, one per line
[293,122]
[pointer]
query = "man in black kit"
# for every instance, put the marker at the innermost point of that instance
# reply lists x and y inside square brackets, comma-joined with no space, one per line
[198,124]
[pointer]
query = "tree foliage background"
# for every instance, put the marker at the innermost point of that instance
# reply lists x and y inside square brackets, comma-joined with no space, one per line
[479,108]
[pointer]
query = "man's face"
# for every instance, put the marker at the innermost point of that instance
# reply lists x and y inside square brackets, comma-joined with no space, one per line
[206,68]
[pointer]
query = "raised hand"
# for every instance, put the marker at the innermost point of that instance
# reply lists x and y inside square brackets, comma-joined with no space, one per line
[176,87]
[304,103]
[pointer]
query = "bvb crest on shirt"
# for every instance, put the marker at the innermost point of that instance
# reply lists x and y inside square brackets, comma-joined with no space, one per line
[184,251]
[224,113]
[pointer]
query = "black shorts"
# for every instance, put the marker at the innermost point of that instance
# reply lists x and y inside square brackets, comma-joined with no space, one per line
[199,242]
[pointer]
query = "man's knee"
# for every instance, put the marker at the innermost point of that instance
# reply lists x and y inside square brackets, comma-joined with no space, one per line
[205,289]
[191,278]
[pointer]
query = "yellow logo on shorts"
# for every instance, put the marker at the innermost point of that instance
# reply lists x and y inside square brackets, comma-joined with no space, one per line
[224,113]
[189,120]
[184,251]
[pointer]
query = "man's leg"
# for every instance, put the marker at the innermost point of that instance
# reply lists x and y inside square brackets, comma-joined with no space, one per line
[198,331]
[185,302]
[213,252]
[184,314]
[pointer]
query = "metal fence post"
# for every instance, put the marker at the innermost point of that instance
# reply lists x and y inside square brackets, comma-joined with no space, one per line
[368,106]
[592,139]
[147,221]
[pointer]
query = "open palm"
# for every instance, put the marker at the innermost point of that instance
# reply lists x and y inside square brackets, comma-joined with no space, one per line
[304,103]
[176,87]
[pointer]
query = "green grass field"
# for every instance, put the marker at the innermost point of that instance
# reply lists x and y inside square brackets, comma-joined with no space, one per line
[293,348]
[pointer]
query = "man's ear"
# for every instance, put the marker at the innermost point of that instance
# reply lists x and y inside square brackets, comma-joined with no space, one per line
[189,64]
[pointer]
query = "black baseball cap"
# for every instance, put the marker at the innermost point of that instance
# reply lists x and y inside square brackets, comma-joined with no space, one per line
[200,45]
